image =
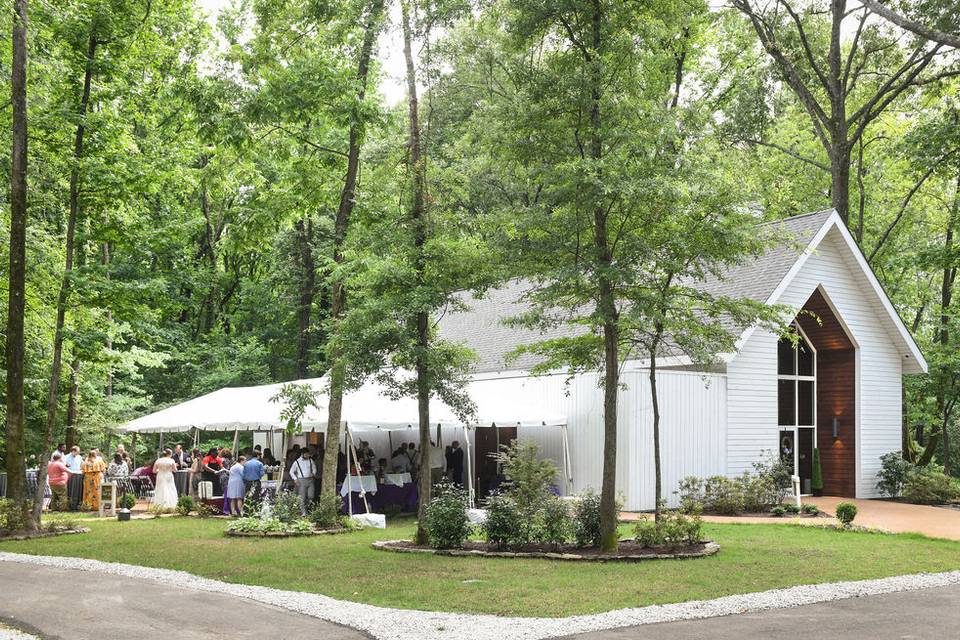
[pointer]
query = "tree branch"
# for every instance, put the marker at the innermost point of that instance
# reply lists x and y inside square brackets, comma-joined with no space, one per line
[788,151]
[934,35]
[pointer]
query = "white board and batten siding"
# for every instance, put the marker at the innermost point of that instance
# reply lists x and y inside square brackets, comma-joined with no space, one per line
[692,431]
[752,374]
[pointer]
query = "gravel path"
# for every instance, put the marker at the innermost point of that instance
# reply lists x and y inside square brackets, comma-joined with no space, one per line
[401,624]
[9,633]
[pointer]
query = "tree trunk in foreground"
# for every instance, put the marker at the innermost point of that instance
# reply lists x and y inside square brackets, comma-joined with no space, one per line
[655,403]
[15,454]
[338,295]
[56,368]
[418,216]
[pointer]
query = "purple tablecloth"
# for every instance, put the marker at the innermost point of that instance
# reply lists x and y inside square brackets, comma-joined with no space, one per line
[387,494]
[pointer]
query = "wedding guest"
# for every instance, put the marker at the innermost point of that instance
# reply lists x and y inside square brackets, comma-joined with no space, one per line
[456,463]
[180,458]
[196,467]
[61,449]
[74,459]
[268,458]
[92,469]
[57,476]
[253,470]
[118,467]
[235,488]
[302,473]
[400,463]
[211,465]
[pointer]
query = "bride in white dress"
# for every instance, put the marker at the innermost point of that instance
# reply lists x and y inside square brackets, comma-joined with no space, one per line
[165,493]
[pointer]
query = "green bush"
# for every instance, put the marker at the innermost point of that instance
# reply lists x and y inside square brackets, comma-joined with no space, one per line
[127,501]
[674,529]
[722,495]
[778,511]
[204,510]
[894,469]
[846,512]
[286,507]
[60,523]
[791,507]
[753,492]
[325,513]
[446,523]
[12,518]
[816,483]
[185,504]
[690,493]
[553,524]
[810,509]
[269,525]
[930,486]
[502,526]
[586,519]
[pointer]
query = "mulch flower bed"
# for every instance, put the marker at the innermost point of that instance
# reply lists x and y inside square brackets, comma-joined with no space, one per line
[44,534]
[627,551]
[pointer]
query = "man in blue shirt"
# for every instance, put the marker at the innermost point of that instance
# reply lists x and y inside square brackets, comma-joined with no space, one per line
[73,460]
[252,473]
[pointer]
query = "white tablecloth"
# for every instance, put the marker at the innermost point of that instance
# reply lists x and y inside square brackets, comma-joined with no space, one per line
[397,479]
[353,484]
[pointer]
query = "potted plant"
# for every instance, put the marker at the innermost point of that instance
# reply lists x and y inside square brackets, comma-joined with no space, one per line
[817,482]
[127,501]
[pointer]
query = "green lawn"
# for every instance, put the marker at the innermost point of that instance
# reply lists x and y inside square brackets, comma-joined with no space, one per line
[752,558]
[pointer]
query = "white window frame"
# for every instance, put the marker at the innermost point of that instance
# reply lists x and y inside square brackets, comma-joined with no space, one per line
[796,378]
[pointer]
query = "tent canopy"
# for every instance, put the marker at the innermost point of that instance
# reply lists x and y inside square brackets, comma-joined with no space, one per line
[369,407]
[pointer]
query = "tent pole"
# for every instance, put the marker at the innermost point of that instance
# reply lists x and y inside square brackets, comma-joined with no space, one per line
[390,440]
[349,478]
[567,467]
[161,442]
[236,442]
[356,462]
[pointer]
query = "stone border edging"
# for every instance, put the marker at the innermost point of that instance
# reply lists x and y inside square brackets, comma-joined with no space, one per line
[45,534]
[385,623]
[710,548]
[286,534]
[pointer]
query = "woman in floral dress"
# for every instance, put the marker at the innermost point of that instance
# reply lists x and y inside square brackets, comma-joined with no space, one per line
[92,468]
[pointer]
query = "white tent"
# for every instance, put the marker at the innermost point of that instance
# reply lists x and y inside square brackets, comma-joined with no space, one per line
[370,407]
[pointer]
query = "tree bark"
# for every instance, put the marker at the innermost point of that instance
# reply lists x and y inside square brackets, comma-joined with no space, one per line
[15,447]
[655,403]
[308,280]
[72,436]
[56,367]
[943,335]
[338,294]
[418,217]
[949,39]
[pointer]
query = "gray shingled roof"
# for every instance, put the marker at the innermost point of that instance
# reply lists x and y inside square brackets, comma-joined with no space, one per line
[481,327]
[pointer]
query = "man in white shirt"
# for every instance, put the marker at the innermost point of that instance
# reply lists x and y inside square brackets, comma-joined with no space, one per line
[436,463]
[302,472]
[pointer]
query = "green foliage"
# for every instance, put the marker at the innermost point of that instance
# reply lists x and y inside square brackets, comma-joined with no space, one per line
[930,486]
[791,507]
[778,511]
[185,504]
[894,469]
[286,506]
[674,529]
[586,519]
[296,400]
[129,501]
[60,522]
[810,509]
[751,492]
[269,525]
[325,513]
[553,525]
[503,526]
[446,524]
[846,512]
[204,510]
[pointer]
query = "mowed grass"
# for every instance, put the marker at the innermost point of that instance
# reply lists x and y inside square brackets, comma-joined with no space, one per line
[753,557]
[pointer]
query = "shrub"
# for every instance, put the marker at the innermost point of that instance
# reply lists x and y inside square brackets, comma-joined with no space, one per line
[325,513]
[502,526]
[930,486]
[810,509]
[528,478]
[204,510]
[586,519]
[894,469]
[846,512]
[816,483]
[778,511]
[553,522]
[12,517]
[60,523]
[446,519]
[269,525]
[791,507]
[286,507]
[127,501]
[185,504]
[674,529]
[722,495]
[776,475]
[690,494]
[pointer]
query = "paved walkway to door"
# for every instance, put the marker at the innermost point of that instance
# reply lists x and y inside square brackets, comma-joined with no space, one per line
[899,517]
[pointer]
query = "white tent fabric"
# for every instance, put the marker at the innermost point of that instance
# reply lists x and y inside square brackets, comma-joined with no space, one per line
[369,407]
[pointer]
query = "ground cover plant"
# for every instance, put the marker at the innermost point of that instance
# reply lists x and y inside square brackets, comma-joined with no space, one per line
[753,557]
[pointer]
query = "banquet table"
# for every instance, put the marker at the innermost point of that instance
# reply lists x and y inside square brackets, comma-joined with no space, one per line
[396,479]
[352,484]
[404,497]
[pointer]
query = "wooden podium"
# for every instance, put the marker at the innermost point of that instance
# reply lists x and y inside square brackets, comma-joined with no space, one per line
[108,499]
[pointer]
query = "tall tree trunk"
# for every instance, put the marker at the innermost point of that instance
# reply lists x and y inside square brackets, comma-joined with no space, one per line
[840,180]
[338,295]
[105,259]
[943,335]
[418,216]
[56,367]
[655,403]
[308,280]
[15,448]
[208,315]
